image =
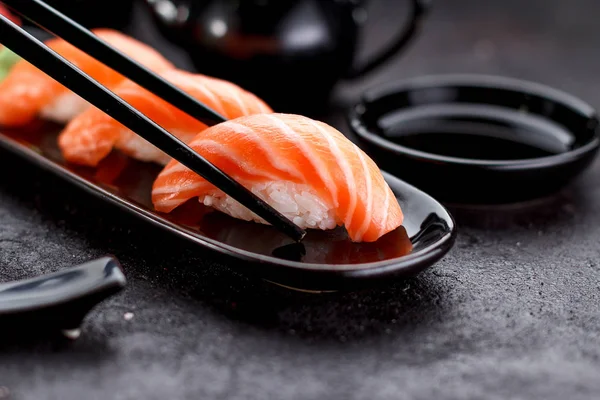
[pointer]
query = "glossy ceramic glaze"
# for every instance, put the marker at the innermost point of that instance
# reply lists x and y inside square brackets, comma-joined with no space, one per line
[322,261]
[477,139]
[59,300]
[289,52]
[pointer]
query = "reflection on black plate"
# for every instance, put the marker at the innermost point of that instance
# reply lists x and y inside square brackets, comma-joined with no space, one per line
[323,261]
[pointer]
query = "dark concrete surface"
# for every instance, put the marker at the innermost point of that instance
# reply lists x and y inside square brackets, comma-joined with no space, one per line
[511,313]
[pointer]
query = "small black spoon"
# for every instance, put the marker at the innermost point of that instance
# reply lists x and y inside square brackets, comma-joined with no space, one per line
[61,300]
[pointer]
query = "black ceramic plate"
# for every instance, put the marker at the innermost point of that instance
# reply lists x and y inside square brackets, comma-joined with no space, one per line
[323,261]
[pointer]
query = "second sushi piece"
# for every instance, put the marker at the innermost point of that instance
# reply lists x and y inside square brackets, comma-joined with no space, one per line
[92,135]
[305,169]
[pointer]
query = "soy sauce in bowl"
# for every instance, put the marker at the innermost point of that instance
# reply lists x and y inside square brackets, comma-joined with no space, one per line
[476,132]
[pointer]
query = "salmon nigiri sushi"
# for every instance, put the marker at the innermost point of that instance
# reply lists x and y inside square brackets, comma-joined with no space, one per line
[91,136]
[305,169]
[27,92]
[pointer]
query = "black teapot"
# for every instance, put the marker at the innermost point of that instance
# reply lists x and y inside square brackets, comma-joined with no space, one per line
[291,53]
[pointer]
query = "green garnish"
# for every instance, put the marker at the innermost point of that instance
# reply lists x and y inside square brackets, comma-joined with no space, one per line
[7,60]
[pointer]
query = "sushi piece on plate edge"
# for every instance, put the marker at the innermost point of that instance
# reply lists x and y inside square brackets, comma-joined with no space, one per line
[92,135]
[304,168]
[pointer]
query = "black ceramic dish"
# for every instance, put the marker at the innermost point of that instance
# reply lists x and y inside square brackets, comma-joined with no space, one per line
[60,300]
[322,261]
[477,139]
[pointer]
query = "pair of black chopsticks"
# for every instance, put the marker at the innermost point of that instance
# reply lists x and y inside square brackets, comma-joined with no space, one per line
[48,61]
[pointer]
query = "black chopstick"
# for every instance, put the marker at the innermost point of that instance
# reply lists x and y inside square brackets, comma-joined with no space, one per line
[48,61]
[62,26]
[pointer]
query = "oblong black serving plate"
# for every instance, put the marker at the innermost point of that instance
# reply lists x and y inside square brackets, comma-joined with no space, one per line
[323,261]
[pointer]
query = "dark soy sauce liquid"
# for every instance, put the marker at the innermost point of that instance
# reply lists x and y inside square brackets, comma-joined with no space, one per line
[476,132]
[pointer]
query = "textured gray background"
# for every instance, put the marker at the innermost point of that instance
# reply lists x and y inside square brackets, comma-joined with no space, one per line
[511,312]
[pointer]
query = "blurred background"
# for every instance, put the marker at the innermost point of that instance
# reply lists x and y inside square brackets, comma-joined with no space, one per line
[300,54]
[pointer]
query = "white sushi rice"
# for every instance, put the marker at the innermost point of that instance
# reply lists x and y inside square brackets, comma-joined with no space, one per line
[64,108]
[140,149]
[298,203]
[143,150]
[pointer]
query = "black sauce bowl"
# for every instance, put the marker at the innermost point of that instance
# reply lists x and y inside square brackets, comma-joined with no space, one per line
[477,138]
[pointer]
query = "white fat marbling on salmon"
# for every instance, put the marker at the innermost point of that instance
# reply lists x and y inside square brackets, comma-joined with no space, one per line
[236,96]
[386,206]
[175,167]
[369,194]
[200,86]
[345,167]
[135,95]
[322,170]
[231,155]
[179,188]
[266,147]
